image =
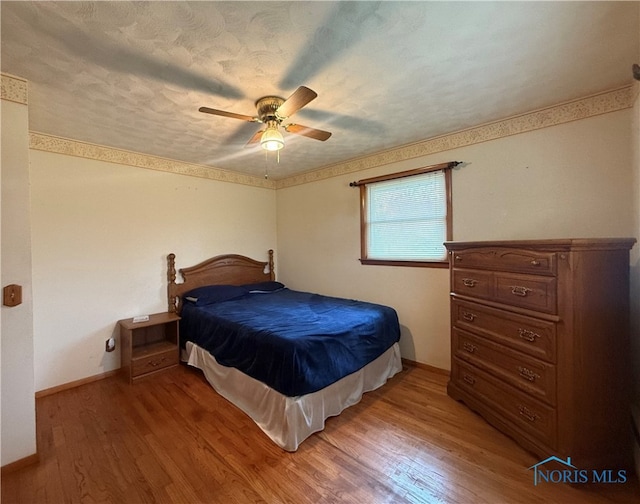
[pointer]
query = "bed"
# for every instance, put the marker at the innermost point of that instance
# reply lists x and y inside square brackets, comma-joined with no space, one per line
[288,359]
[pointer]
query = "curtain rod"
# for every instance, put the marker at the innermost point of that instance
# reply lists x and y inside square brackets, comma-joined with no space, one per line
[407,173]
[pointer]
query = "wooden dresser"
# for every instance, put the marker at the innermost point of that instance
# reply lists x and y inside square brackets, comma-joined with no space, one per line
[540,344]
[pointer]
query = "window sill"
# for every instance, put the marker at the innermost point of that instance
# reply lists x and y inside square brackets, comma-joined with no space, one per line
[414,264]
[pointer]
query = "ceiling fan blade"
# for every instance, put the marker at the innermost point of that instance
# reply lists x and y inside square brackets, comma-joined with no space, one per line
[255,138]
[316,134]
[233,115]
[296,101]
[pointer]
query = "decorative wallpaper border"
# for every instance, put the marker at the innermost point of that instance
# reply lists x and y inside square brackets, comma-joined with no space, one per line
[601,103]
[48,143]
[13,89]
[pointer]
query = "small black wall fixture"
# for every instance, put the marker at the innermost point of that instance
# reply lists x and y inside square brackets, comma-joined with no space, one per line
[636,71]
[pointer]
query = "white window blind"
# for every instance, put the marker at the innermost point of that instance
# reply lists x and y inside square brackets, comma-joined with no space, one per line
[406,218]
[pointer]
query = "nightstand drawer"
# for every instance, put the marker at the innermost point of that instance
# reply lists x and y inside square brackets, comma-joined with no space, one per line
[154,362]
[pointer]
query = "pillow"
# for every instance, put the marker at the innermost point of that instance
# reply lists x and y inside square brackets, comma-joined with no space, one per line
[210,294]
[262,287]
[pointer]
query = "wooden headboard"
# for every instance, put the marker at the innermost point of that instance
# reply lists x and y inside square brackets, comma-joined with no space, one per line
[228,269]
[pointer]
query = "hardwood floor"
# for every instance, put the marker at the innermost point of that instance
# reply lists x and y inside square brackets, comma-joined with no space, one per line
[172,439]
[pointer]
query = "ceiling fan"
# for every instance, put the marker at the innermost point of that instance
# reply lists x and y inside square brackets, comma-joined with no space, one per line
[274,111]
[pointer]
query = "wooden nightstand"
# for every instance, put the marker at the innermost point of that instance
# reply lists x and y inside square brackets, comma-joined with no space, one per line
[150,346]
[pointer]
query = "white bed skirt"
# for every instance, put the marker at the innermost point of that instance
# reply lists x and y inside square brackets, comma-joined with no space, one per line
[288,421]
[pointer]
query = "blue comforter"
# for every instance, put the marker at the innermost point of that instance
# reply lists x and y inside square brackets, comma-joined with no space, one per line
[295,342]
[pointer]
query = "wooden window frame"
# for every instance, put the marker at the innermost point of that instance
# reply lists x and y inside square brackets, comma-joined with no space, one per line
[446,168]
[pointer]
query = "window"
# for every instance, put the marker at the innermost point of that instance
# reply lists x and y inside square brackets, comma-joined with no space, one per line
[406,217]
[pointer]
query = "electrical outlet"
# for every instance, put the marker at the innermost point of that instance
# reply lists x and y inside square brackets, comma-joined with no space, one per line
[110,345]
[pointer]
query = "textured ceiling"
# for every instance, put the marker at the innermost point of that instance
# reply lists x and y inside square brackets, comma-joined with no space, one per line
[132,75]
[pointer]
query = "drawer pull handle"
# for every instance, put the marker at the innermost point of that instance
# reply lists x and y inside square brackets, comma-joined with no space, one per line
[157,363]
[469,379]
[468,316]
[458,258]
[469,347]
[469,282]
[527,374]
[528,335]
[519,290]
[535,262]
[527,413]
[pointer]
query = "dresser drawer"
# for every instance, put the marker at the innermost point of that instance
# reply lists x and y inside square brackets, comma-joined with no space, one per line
[523,411]
[522,371]
[154,362]
[527,334]
[506,259]
[474,283]
[526,291]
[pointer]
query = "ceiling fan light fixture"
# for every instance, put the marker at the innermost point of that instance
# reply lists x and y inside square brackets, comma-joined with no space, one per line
[272,111]
[272,139]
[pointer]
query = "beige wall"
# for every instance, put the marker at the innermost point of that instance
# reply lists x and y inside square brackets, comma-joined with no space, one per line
[18,401]
[635,267]
[571,180]
[101,233]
